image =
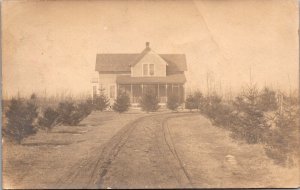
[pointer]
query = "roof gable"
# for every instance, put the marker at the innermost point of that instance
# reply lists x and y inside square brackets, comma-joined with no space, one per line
[122,62]
[114,62]
[151,57]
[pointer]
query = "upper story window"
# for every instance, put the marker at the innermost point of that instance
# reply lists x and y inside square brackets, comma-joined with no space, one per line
[145,69]
[151,69]
[148,69]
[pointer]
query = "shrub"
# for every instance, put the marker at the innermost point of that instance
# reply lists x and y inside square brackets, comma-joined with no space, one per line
[65,110]
[122,103]
[21,117]
[190,103]
[149,101]
[101,101]
[250,123]
[283,142]
[267,100]
[173,102]
[211,106]
[86,107]
[49,118]
[198,98]
[70,113]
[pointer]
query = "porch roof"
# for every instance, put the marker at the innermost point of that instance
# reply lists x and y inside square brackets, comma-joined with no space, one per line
[174,78]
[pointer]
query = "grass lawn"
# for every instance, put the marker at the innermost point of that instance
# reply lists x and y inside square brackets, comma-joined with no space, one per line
[43,158]
[213,159]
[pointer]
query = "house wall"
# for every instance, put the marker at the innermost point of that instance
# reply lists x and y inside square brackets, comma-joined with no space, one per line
[108,82]
[150,58]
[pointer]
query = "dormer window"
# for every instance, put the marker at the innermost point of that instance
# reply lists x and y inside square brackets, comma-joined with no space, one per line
[148,69]
[151,69]
[145,69]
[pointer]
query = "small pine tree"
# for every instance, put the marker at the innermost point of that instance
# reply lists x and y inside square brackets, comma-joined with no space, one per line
[101,101]
[122,103]
[65,110]
[267,100]
[21,117]
[86,107]
[149,101]
[173,102]
[251,125]
[198,98]
[190,103]
[49,118]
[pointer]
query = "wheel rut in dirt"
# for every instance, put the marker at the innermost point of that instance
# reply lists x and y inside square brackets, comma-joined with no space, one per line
[144,156]
[141,155]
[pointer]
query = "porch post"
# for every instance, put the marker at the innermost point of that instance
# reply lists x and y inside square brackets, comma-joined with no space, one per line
[158,92]
[131,94]
[172,88]
[166,92]
[183,92]
[116,91]
[142,89]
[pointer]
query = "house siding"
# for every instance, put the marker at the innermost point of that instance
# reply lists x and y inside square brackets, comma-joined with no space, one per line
[150,58]
[106,81]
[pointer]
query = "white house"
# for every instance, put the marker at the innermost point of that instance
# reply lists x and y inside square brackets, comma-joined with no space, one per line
[136,73]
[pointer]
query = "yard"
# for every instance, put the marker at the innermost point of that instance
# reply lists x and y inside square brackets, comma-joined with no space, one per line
[213,159]
[45,158]
[140,150]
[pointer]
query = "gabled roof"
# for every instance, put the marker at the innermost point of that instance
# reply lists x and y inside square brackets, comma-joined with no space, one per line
[114,62]
[122,62]
[173,78]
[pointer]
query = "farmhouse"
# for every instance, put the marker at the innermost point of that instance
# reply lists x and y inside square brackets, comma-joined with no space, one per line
[136,73]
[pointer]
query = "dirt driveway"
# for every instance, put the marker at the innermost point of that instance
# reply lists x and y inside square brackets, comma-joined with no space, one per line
[164,150]
[177,150]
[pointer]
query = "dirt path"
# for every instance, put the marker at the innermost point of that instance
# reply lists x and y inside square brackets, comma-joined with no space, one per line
[140,155]
[214,160]
[173,151]
[47,159]
[162,150]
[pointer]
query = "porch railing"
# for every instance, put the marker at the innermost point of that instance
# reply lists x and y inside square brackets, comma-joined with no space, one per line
[137,99]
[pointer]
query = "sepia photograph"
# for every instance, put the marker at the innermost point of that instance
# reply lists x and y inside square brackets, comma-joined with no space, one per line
[150,94]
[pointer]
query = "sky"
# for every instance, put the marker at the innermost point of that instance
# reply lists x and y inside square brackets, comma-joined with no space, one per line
[51,46]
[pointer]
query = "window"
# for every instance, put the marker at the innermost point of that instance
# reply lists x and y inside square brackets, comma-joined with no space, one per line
[145,69]
[94,90]
[151,69]
[148,69]
[112,91]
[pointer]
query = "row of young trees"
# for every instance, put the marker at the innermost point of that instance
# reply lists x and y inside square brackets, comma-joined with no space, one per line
[256,116]
[149,102]
[25,116]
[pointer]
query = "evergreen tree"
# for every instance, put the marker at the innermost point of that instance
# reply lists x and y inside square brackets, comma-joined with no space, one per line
[198,98]
[149,101]
[173,102]
[190,103]
[267,100]
[66,110]
[101,101]
[250,123]
[21,116]
[49,118]
[122,103]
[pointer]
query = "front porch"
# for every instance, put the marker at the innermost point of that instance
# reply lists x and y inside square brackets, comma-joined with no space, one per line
[162,91]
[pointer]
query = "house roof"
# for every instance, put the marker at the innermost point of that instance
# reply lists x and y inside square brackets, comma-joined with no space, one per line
[122,62]
[173,78]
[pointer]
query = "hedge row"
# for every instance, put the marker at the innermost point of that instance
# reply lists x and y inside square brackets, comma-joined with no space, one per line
[23,116]
[265,117]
